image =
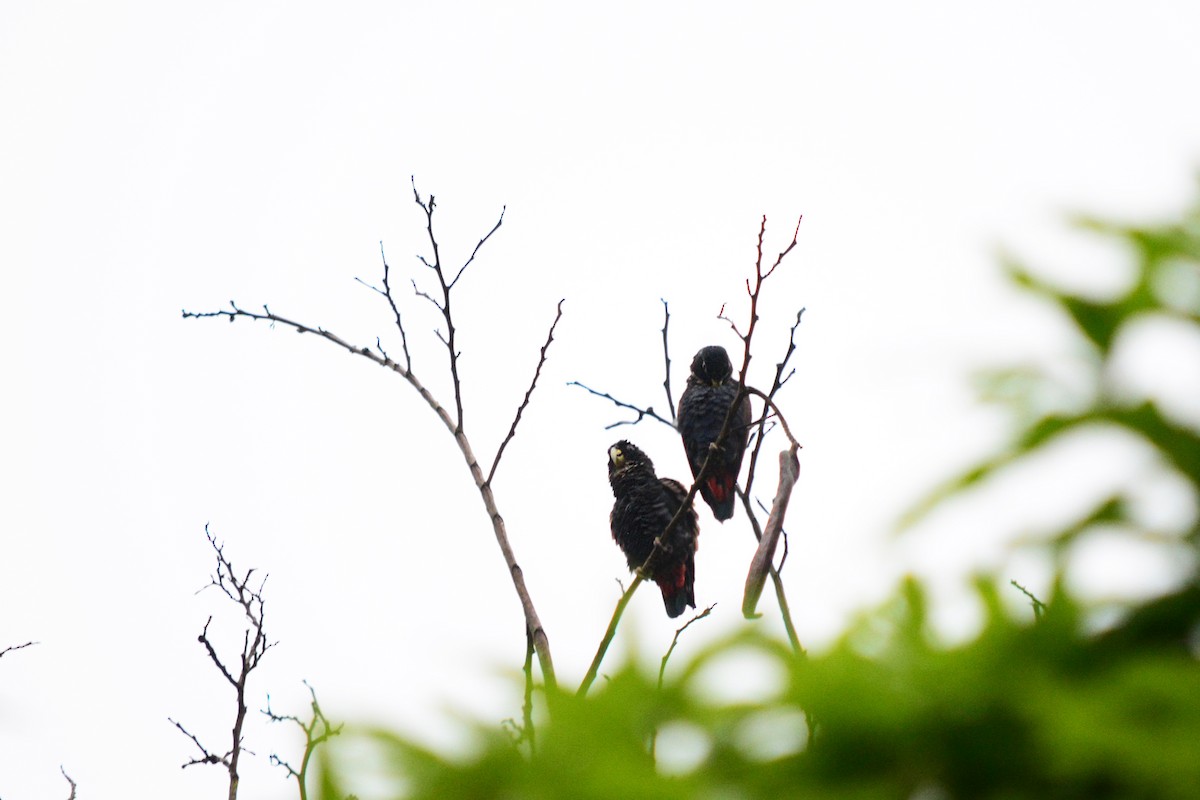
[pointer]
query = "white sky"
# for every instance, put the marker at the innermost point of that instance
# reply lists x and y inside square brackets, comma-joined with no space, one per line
[154,159]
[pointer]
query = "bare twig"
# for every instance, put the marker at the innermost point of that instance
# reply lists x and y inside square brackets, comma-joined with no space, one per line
[205,757]
[254,646]
[386,293]
[17,647]
[452,423]
[776,384]
[642,413]
[446,286]
[667,360]
[512,431]
[317,731]
[63,770]
[662,666]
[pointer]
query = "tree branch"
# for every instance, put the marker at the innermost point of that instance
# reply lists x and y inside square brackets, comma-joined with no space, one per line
[512,431]
[316,732]
[642,413]
[667,361]
[254,647]
[16,647]
[63,769]
[452,424]
[760,565]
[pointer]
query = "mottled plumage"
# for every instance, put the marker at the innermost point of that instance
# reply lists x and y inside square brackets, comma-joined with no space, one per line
[711,389]
[644,505]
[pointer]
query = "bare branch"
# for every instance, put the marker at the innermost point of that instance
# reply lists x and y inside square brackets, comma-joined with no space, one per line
[474,252]
[667,360]
[206,757]
[512,431]
[17,647]
[254,646]
[642,413]
[453,424]
[789,469]
[63,769]
[776,384]
[386,293]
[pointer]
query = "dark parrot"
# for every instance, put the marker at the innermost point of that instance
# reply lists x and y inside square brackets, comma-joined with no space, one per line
[644,505]
[711,390]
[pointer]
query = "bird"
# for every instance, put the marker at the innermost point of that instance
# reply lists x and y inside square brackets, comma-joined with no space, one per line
[711,390]
[644,505]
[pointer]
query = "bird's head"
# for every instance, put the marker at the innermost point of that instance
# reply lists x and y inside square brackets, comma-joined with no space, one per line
[623,455]
[711,365]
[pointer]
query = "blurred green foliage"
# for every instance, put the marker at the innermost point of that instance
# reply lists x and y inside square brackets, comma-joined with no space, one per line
[1027,709]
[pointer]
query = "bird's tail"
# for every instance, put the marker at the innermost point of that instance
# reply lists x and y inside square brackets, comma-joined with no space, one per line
[675,581]
[718,492]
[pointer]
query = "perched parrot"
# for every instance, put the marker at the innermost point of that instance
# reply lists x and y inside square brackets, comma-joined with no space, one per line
[644,505]
[711,389]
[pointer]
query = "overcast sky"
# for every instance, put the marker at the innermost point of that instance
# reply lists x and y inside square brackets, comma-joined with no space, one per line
[155,158]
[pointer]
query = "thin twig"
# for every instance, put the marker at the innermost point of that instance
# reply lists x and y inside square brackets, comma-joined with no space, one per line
[17,647]
[776,384]
[662,667]
[1039,608]
[512,430]
[667,360]
[642,413]
[63,769]
[206,757]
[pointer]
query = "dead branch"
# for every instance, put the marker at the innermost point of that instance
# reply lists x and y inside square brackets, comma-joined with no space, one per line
[761,564]
[254,646]
[446,286]
[453,424]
